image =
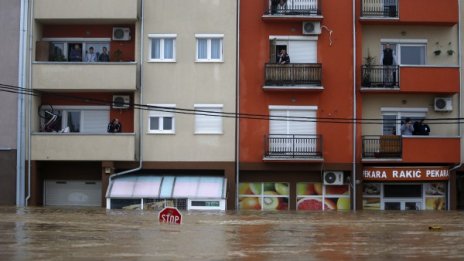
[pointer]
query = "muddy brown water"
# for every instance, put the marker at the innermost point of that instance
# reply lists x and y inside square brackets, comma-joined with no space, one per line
[99,234]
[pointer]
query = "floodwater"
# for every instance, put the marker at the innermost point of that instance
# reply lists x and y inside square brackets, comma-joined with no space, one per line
[99,234]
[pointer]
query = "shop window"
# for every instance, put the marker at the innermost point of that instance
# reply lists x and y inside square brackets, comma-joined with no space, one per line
[316,196]
[435,196]
[264,196]
[371,196]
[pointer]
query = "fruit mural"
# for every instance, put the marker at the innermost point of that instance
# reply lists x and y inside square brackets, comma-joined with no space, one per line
[263,196]
[314,196]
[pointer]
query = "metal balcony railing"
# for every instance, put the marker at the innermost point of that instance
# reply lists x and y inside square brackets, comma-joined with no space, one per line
[292,146]
[385,146]
[379,8]
[293,74]
[380,76]
[293,7]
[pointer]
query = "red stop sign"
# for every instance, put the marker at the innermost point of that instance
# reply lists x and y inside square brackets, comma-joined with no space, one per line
[170,215]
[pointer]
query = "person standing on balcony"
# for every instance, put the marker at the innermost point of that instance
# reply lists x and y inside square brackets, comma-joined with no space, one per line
[274,6]
[282,6]
[75,55]
[407,128]
[283,57]
[388,61]
[114,126]
[91,57]
[420,128]
[104,56]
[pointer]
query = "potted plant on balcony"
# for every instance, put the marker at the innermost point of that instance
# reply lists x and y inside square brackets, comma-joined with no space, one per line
[450,51]
[117,55]
[368,62]
[437,51]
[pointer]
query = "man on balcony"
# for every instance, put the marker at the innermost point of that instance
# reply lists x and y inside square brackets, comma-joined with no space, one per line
[283,57]
[388,61]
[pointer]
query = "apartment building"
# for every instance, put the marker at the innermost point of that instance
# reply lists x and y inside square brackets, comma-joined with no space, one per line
[9,75]
[296,148]
[158,67]
[418,78]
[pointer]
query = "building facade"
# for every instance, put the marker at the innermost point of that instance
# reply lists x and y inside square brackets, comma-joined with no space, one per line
[9,75]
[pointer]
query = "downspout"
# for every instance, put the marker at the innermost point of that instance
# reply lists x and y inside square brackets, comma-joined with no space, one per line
[458,166]
[141,102]
[29,103]
[354,106]
[20,131]
[237,106]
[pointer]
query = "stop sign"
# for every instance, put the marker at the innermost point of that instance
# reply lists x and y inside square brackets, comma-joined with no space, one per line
[170,215]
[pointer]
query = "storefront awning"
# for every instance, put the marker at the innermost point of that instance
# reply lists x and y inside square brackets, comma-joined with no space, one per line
[167,187]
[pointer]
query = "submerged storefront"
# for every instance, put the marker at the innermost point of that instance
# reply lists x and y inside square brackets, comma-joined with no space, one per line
[405,188]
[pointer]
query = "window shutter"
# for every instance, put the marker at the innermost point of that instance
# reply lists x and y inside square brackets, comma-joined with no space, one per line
[208,124]
[278,125]
[302,126]
[302,51]
[95,121]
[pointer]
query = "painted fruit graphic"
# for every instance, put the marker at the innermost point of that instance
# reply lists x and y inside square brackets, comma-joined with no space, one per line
[250,203]
[314,204]
[249,188]
[343,204]
[336,190]
[309,188]
[270,203]
[281,188]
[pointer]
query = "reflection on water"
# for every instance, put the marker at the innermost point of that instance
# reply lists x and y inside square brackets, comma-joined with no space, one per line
[99,234]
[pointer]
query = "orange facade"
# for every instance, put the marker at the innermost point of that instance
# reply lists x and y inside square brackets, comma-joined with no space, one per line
[334,53]
[429,11]
[429,79]
[431,150]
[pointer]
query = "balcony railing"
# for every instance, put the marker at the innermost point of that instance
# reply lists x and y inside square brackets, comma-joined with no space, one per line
[379,8]
[293,7]
[292,146]
[293,74]
[385,146]
[380,76]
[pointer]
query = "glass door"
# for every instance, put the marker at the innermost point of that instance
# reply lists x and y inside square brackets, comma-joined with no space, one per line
[402,204]
[402,197]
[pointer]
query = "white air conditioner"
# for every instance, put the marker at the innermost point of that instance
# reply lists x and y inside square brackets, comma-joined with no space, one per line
[121,34]
[333,177]
[311,28]
[443,104]
[121,101]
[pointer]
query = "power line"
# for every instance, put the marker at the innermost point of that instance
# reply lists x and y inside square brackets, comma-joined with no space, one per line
[176,110]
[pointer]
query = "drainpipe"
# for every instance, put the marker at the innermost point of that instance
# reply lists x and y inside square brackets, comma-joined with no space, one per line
[141,57]
[29,102]
[354,105]
[20,131]
[237,106]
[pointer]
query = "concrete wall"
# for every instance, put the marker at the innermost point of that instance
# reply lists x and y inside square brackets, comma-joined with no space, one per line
[187,82]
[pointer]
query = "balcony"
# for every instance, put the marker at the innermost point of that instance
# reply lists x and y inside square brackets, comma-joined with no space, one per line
[293,9]
[410,79]
[292,147]
[117,76]
[69,10]
[411,149]
[410,11]
[293,76]
[78,146]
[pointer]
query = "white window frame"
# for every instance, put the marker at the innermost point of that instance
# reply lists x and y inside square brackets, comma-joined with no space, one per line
[216,116]
[404,42]
[401,113]
[162,37]
[64,115]
[161,115]
[291,108]
[208,37]
[85,44]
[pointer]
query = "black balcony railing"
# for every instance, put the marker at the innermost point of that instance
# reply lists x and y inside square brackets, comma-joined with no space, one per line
[292,146]
[379,8]
[380,76]
[293,74]
[293,7]
[385,146]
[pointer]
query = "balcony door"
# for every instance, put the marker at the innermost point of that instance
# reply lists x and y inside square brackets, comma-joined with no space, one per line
[300,51]
[292,130]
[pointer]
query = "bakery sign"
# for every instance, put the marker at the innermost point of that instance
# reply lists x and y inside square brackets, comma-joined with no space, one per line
[405,173]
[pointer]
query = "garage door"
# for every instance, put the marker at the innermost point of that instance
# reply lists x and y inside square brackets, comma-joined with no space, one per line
[72,193]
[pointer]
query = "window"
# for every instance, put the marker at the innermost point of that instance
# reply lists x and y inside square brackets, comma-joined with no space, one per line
[82,119]
[161,119]
[76,49]
[301,49]
[264,196]
[292,119]
[162,47]
[316,196]
[393,117]
[209,48]
[208,118]
[407,52]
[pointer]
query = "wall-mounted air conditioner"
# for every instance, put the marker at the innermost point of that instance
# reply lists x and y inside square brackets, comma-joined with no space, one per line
[121,101]
[311,27]
[121,34]
[333,178]
[443,104]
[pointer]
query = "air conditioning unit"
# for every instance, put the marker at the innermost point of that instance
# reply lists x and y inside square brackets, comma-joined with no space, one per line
[121,101]
[333,177]
[311,27]
[443,104]
[121,34]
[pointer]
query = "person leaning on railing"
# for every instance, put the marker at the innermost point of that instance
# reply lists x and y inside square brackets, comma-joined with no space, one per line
[283,57]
